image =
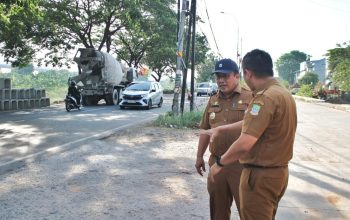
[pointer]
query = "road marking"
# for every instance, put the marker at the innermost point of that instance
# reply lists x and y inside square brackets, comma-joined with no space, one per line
[61,148]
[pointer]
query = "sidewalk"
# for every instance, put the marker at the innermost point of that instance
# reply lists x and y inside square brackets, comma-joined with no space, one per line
[343,107]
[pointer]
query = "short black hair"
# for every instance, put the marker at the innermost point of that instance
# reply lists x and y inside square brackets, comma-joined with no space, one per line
[259,62]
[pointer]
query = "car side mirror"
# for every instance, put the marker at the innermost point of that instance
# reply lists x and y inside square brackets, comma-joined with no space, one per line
[153,90]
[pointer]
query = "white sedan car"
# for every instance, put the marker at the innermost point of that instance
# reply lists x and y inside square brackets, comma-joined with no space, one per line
[143,95]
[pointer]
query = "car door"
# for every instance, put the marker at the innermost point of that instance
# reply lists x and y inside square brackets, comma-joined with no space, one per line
[153,94]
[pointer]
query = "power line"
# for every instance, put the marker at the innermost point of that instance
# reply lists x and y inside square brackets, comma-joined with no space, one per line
[212,32]
[329,7]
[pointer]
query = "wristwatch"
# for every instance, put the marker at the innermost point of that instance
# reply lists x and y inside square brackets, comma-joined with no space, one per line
[218,158]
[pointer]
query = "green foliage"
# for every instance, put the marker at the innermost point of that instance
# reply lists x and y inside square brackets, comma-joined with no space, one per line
[283,82]
[309,78]
[342,75]
[187,120]
[54,82]
[288,65]
[205,70]
[339,66]
[19,30]
[28,27]
[306,90]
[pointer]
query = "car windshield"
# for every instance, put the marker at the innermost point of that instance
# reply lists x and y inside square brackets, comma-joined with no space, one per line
[205,85]
[139,87]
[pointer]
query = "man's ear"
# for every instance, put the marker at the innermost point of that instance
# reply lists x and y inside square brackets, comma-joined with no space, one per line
[248,73]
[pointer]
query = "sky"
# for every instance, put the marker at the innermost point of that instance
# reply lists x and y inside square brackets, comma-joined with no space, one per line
[276,26]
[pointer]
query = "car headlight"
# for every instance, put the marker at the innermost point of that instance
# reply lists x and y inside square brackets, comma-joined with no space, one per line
[144,95]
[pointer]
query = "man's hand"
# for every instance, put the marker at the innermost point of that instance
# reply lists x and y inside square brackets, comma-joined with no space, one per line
[214,170]
[200,165]
[213,133]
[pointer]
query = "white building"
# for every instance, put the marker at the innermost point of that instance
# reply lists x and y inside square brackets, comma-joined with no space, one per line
[316,66]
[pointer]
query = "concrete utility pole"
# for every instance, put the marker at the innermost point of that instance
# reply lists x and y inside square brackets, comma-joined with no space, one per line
[184,78]
[193,60]
[179,62]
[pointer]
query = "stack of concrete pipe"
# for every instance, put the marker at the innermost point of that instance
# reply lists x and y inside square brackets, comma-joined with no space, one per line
[17,99]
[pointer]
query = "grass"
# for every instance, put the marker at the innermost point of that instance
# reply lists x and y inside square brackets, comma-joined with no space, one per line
[57,94]
[187,120]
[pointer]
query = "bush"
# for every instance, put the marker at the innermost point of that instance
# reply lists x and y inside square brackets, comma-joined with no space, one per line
[306,90]
[187,120]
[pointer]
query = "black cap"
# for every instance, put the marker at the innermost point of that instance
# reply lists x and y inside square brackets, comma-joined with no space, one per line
[226,66]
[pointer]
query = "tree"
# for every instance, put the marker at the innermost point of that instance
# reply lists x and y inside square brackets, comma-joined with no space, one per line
[205,70]
[148,35]
[61,26]
[19,27]
[288,65]
[342,75]
[309,78]
[339,65]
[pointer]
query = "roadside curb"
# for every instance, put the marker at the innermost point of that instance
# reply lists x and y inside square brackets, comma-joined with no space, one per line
[342,107]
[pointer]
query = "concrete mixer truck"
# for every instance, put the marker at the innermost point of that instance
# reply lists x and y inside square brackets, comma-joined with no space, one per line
[102,76]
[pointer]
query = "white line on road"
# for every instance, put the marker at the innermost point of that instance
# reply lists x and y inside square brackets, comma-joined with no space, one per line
[61,148]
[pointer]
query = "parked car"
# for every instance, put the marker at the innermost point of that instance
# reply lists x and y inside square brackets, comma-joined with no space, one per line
[143,95]
[207,88]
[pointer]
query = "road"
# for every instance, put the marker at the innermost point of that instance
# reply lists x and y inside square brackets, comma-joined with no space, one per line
[151,175]
[25,134]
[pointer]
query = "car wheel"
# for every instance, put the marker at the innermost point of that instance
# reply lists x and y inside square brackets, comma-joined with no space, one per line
[121,107]
[149,104]
[160,102]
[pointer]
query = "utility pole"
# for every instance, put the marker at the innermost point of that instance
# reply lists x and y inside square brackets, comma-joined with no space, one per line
[179,61]
[194,14]
[188,43]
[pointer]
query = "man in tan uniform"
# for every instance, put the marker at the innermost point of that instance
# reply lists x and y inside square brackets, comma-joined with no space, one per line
[226,107]
[265,145]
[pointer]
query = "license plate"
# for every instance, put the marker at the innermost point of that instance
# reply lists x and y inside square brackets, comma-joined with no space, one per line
[131,101]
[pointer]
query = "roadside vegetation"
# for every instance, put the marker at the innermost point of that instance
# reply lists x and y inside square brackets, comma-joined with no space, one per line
[54,82]
[187,120]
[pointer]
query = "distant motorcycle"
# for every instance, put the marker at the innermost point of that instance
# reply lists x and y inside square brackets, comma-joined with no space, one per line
[71,103]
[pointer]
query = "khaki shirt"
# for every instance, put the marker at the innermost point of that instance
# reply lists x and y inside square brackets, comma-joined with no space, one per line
[272,118]
[222,111]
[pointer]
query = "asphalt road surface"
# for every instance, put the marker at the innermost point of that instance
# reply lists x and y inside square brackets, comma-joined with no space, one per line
[31,133]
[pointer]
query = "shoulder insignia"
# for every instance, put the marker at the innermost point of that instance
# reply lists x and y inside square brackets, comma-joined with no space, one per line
[255,109]
[215,104]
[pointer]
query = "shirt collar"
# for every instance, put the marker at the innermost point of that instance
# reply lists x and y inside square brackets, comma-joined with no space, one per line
[267,84]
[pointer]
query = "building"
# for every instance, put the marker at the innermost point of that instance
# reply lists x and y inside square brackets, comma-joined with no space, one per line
[316,66]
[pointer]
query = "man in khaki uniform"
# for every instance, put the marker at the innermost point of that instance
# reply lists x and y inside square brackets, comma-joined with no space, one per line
[226,107]
[265,145]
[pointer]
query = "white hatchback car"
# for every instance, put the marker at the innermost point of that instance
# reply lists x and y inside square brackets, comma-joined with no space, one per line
[142,94]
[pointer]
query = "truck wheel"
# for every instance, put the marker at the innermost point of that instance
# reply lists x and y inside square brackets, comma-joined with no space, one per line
[115,97]
[112,99]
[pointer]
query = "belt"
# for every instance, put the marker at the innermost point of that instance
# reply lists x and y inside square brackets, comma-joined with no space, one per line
[263,167]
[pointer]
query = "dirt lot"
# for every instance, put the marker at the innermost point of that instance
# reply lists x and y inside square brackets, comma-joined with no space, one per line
[139,173]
